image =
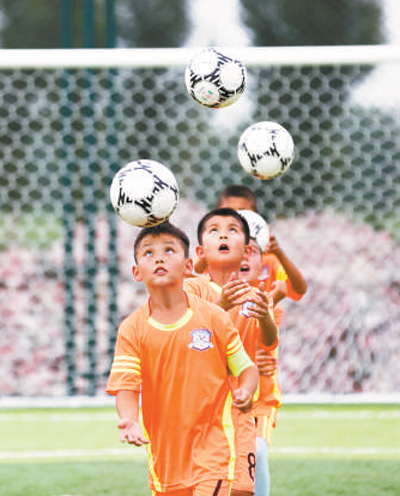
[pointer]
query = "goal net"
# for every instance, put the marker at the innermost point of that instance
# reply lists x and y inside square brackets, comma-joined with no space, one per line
[70,119]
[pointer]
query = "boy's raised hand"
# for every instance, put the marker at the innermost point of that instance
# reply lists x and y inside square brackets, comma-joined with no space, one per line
[261,309]
[232,292]
[261,304]
[132,432]
[274,247]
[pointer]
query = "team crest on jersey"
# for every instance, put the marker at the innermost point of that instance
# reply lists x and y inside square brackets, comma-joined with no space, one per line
[246,306]
[201,340]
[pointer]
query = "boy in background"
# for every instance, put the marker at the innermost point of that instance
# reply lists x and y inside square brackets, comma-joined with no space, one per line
[282,278]
[223,236]
[175,352]
[276,264]
[270,397]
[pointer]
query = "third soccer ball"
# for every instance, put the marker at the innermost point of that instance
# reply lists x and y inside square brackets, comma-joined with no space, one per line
[144,193]
[266,150]
[214,79]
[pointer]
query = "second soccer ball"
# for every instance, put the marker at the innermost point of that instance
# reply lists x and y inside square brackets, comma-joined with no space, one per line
[266,150]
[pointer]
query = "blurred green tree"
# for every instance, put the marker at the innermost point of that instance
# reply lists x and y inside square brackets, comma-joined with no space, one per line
[309,23]
[139,24]
[152,23]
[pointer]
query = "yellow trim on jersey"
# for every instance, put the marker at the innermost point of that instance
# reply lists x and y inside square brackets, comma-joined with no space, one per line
[234,346]
[172,327]
[150,463]
[123,363]
[281,274]
[229,429]
[239,361]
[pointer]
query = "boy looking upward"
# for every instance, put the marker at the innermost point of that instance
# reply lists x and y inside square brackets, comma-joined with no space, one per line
[223,237]
[270,397]
[174,352]
[276,264]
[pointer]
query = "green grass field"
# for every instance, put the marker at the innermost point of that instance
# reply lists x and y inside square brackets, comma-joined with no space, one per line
[317,450]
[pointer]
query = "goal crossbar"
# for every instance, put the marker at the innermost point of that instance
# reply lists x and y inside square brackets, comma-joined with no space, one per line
[176,57]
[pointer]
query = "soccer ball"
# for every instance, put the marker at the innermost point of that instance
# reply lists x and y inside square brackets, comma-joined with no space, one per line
[215,80]
[266,150]
[144,193]
[259,229]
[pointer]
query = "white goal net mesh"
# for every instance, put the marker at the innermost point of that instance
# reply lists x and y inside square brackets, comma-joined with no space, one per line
[65,258]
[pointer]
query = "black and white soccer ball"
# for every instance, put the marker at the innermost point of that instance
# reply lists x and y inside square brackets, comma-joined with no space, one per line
[214,79]
[144,193]
[258,227]
[266,150]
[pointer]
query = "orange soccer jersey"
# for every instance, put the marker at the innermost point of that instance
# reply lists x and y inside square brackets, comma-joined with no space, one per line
[273,271]
[269,391]
[249,332]
[181,370]
[203,287]
[270,394]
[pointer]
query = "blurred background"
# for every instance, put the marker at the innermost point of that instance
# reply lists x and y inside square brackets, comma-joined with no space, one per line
[65,257]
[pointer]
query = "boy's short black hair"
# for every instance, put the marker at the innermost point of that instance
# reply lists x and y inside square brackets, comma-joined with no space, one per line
[164,228]
[238,191]
[223,212]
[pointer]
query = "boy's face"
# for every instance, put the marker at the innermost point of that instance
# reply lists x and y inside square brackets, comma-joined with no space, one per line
[223,241]
[236,203]
[251,267]
[161,261]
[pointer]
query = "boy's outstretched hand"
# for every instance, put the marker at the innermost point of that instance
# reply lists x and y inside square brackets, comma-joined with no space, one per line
[243,399]
[232,292]
[132,432]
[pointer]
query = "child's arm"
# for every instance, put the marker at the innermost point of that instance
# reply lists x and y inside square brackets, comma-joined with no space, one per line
[267,364]
[128,411]
[260,310]
[296,278]
[248,382]
[278,291]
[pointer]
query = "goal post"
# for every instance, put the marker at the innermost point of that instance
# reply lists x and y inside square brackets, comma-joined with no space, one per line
[178,57]
[70,118]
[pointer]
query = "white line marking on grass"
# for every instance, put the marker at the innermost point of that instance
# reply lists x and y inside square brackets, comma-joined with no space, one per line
[18,455]
[326,415]
[58,417]
[302,450]
[113,417]
[140,452]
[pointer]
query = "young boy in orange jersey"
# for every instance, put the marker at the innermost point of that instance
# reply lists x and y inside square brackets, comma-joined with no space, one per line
[276,264]
[270,397]
[223,237]
[282,278]
[174,351]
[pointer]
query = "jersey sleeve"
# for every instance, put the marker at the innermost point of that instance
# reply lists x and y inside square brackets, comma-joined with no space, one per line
[125,371]
[237,358]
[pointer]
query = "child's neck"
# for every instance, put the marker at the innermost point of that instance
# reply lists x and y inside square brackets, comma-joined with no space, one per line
[168,305]
[220,275]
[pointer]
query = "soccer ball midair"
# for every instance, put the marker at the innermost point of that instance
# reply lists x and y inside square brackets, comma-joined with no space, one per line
[144,193]
[266,150]
[214,79]
[259,229]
